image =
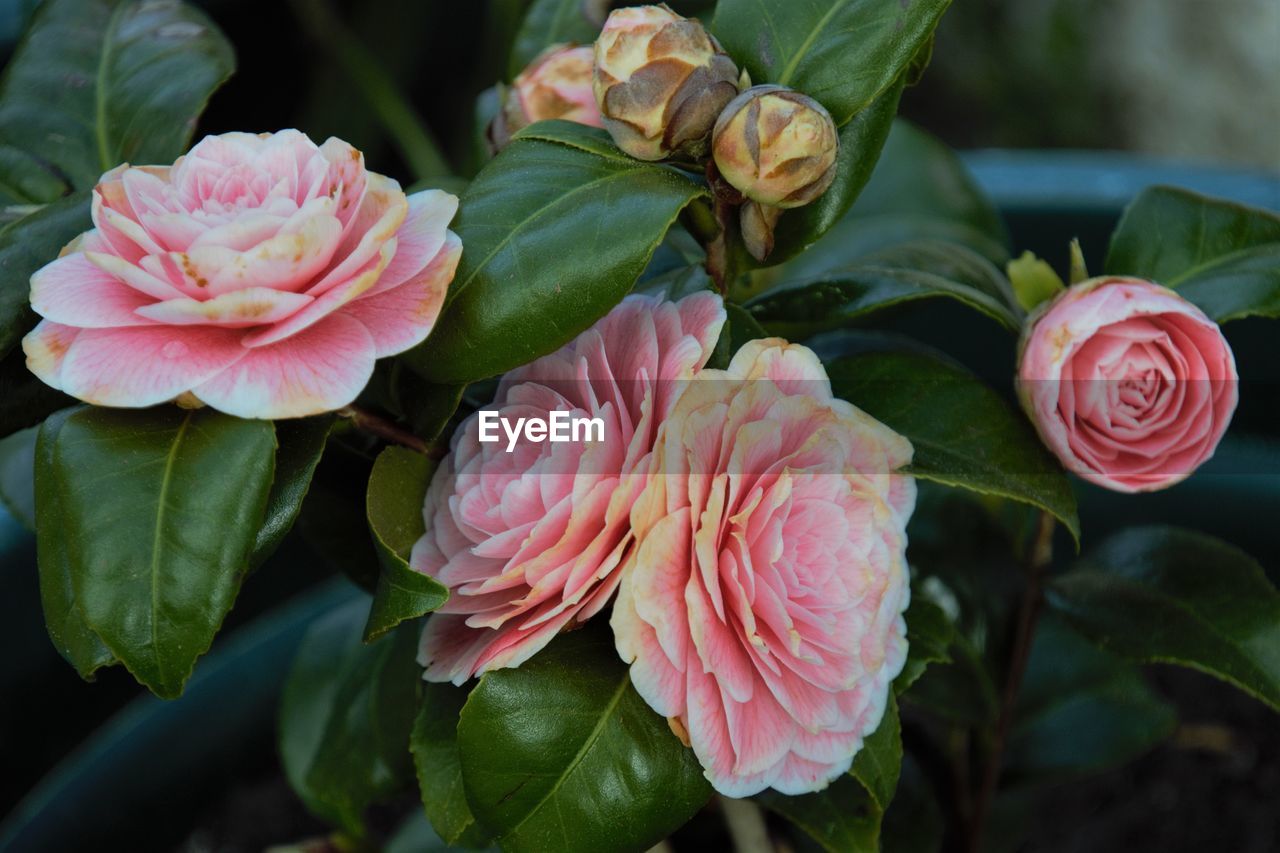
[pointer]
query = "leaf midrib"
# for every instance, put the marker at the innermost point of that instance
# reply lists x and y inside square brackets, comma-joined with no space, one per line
[105,157]
[785,77]
[587,744]
[161,511]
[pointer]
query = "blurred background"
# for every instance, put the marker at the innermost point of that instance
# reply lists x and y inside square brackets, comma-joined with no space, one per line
[1179,91]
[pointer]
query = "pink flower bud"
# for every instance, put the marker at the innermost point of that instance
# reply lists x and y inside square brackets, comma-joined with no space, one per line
[1128,383]
[557,84]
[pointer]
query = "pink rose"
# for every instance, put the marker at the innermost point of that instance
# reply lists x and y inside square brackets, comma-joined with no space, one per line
[761,607]
[1128,383]
[260,275]
[557,84]
[529,541]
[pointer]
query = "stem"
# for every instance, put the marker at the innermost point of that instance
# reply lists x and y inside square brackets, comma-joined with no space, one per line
[389,104]
[384,429]
[1038,557]
[746,826]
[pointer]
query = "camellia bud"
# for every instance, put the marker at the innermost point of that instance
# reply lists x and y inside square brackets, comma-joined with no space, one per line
[660,81]
[557,84]
[776,146]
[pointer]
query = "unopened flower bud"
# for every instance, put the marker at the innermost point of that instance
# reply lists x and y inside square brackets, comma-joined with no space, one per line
[557,84]
[758,222]
[776,146]
[660,81]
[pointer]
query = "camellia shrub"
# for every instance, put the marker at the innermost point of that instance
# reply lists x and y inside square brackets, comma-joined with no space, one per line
[675,519]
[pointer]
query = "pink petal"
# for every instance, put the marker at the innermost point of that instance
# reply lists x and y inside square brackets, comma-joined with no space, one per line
[145,365]
[325,304]
[317,370]
[402,317]
[46,349]
[253,306]
[381,213]
[420,238]
[75,292]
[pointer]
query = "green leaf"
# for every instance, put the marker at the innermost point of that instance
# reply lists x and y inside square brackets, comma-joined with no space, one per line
[1159,594]
[64,616]
[300,444]
[742,326]
[841,818]
[96,83]
[963,432]
[434,743]
[903,273]
[155,513]
[1225,257]
[345,717]
[1080,709]
[26,245]
[860,143]
[844,53]
[920,190]
[397,489]
[929,636]
[563,754]
[25,400]
[17,472]
[558,227]
[1033,280]
[879,761]
[551,22]
[427,407]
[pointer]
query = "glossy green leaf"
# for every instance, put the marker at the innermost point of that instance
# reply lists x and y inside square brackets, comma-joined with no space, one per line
[879,761]
[1223,256]
[27,244]
[551,22]
[860,143]
[1160,594]
[435,755]
[300,444]
[892,276]
[963,432]
[1080,709]
[563,754]
[920,190]
[345,717]
[64,615]
[844,53]
[557,229]
[929,635]
[96,83]
[17,472]
[155,513]
[397,488]
[841,818]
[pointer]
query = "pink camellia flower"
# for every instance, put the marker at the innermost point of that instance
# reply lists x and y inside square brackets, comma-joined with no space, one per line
[761,606]
[528,538]
[557,84]
[261,275]
[1128,383]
